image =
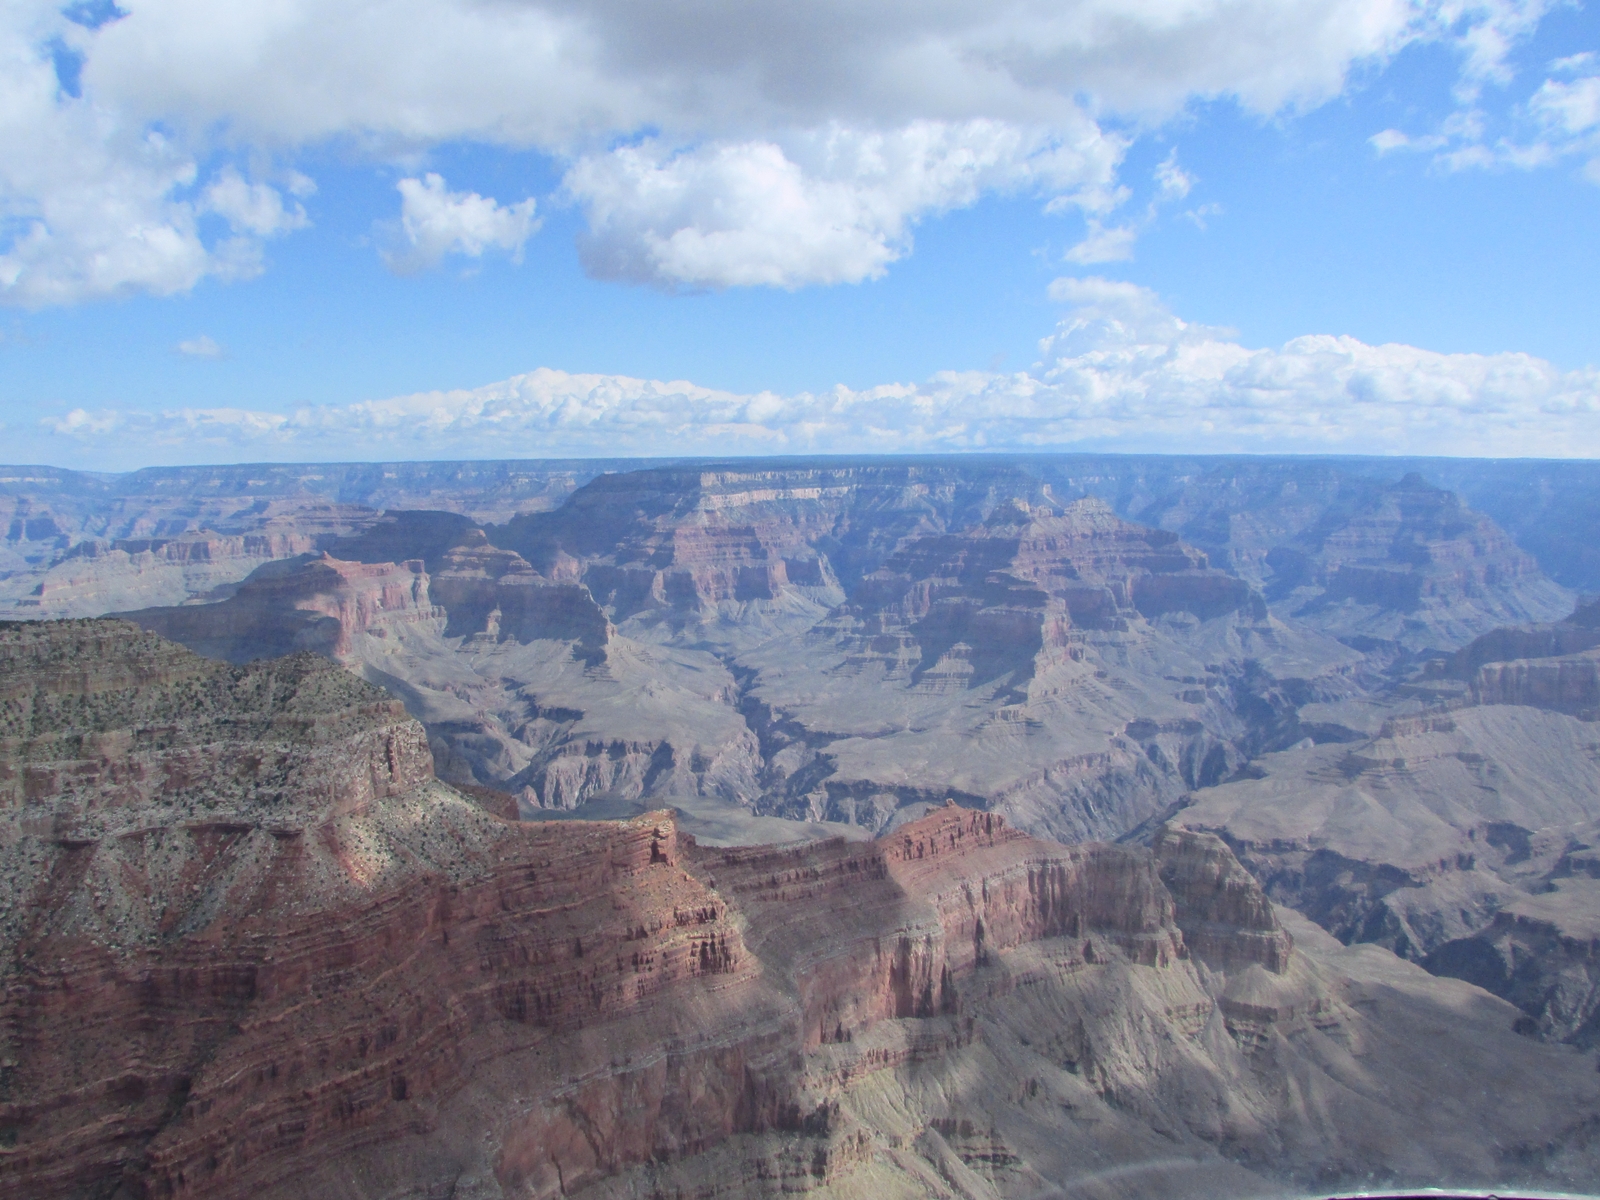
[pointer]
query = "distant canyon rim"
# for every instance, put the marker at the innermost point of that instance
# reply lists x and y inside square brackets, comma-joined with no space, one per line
[1000,825]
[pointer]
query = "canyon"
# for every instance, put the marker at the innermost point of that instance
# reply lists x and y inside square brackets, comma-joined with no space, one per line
[254,947]
[952,826]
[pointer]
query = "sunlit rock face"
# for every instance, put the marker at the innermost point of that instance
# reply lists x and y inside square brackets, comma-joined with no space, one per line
[847,642]
[1378,702]
[253,948]
[643,644]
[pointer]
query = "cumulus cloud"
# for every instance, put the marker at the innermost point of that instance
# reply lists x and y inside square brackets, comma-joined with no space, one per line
[435,222]
[1120,371]
[255,208]
[94,201]
[199,347]
[682,125]
[833,206]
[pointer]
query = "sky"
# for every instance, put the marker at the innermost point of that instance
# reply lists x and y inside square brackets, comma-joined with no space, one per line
[411,229]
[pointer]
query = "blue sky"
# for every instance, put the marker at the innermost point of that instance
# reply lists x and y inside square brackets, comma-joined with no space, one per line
[352,269]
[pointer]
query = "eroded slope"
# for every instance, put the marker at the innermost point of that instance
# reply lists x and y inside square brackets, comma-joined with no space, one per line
[265,954]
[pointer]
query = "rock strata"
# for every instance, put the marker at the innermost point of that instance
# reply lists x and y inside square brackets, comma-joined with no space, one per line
[261,952]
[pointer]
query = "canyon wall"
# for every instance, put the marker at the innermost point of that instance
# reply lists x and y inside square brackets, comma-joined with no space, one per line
[252,947]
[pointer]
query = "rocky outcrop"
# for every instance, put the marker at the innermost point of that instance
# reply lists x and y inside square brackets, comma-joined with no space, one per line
[1579,632]
[1542,953]
[599,737]
[96,575]
[496,593]
[672,548]
[1569,684]
[310,984]
[1224,916]
[1461,840]
[1554,666]
[101,724]
[320,605]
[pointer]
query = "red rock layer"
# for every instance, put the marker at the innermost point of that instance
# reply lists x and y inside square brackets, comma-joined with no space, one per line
[256,942]
[496,592]
[102,725]
[677,543]
[1225,918]
[320,606]
[641,1023]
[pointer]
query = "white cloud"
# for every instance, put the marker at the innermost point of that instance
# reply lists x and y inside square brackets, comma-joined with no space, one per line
[719,107]
[1173,182]
[199,347]
[1386,140]
[1560,121]
[1104,244]
[434,222]
[1121,371]
[833,206]
[254,208]
[95,202]
[1568,108]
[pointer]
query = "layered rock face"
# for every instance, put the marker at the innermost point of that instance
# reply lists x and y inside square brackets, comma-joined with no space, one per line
[97,575]
[1460,836]
[1552,666]
[99,717]
[263,953]
[541,673]
[75,544]
[1414,566]
[675,549]
[968,607]
[521,680]
[322,605]
[1087,669]
[1055,663]
[1417,836]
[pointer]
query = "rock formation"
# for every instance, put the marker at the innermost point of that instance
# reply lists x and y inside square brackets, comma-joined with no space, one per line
[1413,566]
[1459,832]
[1365,688]
[687,637]
[254,949]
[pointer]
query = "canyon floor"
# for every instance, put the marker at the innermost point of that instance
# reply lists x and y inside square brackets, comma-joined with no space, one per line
[972,827]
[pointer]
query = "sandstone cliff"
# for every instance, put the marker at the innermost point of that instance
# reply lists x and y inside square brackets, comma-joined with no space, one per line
[289,963]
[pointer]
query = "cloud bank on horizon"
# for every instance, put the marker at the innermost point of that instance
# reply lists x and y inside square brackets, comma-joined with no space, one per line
[1120,371]
[146,145]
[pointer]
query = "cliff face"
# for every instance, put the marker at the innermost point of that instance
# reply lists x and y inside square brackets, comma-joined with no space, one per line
[1223,914]
[1411,564]
[844,641]
[255,950]
[962,609]
[496,593]
[321,605]
[1554,665]
[98,575]
[98,718]
[1569,683]
[520,679]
